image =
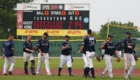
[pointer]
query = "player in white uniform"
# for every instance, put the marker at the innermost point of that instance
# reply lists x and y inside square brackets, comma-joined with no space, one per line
[43,55]
[66,51]
[9,53]
[27,54]
[129,46]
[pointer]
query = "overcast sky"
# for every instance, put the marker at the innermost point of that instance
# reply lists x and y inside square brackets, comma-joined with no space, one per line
[115,10]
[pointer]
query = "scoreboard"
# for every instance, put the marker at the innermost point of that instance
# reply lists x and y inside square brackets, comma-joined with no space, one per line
[56,19]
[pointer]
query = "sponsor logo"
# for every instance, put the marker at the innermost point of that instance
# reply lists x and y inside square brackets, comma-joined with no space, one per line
[29,6]
[76,7]
[86,20]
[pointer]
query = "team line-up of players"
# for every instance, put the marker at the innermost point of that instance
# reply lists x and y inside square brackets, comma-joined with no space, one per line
[108,47]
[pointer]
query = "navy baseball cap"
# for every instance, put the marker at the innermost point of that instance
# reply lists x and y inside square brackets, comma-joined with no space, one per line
[46,34]
[89,31]
[111,36]
[128,33]
[67,36]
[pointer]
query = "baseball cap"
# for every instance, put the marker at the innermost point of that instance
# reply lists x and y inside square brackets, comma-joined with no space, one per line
[111,36]
[46,34]
[67,36]
[128,33]
[89,31]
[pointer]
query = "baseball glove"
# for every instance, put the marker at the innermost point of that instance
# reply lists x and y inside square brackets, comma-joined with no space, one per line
[98,58]
[35,48]
[136,57]
[118,59]
[71,59]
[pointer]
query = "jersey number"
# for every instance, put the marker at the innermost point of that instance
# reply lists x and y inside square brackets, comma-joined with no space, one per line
[91,43]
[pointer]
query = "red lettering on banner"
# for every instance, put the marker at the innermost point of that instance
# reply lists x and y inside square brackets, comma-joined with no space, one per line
[53,32]
[26,31]
[74,32]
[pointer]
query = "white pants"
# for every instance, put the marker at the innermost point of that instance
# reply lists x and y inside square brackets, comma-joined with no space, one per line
[41,59]
[7,60]
[90,56]
[85,60]
[65,59]
[129,58]
[27,56]
[108,60]
[120,53]
[103,51]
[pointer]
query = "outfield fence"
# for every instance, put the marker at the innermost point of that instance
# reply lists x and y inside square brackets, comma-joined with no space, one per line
[55,47]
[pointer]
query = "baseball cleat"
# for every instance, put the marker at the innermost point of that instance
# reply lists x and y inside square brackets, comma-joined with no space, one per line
[88,75]
[129,77]
[5,74]
[111,77]
[103,75]
[10,73]
[37,74]
[71,75]
[34,73]
[59,75]
[50,75]
[93,77]
[126,78]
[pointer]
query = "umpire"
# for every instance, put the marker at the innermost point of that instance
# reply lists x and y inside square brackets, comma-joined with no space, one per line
[66,51]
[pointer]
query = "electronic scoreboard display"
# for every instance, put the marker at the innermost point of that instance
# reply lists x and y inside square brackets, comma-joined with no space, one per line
[36,17]
[51,19]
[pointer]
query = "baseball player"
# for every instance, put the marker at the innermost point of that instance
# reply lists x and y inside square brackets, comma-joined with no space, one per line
[66,51]
[9,53]
[128,45]
[27,54]
[89,45]
[119,48]
[110,49]
[103,51]
[85,59]
[43,55]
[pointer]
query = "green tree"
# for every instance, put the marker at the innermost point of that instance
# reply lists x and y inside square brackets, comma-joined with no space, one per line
[118,30]
[8,17]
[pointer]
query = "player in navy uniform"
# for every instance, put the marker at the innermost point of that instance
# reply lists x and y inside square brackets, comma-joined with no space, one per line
[85,59]
[89,45]
[27,54]
[66,51]
[128,45]
[110,49]
[9,53]
[119,48]
[43,55]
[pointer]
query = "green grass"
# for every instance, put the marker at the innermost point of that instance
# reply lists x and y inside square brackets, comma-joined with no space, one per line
[59,78]
[78,63]
[54,63]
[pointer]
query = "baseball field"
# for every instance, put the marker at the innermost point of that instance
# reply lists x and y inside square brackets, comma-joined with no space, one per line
[78,64]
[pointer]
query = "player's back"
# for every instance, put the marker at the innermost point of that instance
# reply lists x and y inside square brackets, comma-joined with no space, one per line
[7,46]
[90,43]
